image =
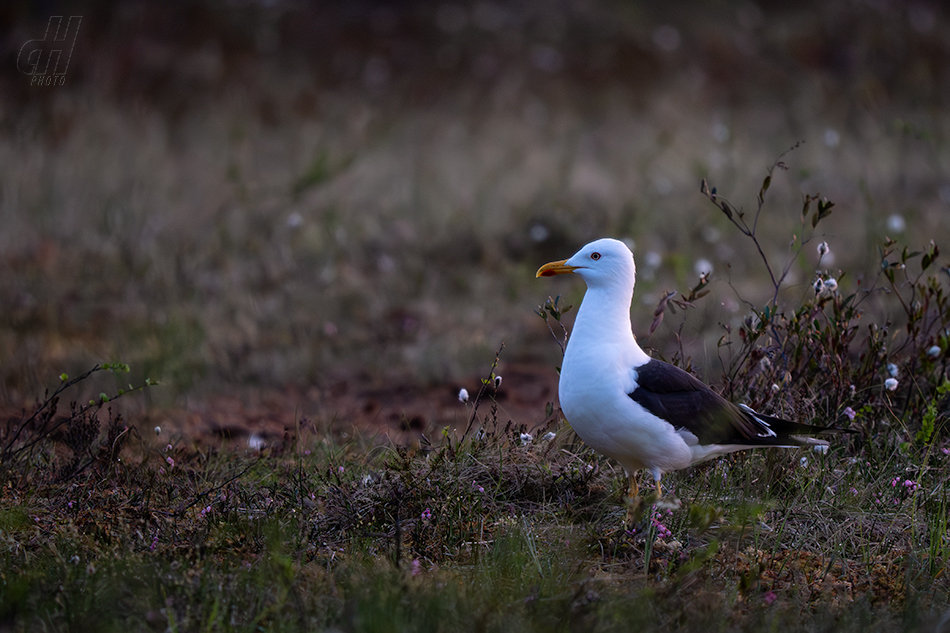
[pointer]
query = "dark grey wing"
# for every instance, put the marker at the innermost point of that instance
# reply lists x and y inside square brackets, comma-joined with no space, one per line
[672,394]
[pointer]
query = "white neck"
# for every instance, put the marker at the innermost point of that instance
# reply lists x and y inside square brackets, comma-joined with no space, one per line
[604,315]
[604,320]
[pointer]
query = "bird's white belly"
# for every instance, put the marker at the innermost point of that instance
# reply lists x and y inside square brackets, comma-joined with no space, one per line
[595,402]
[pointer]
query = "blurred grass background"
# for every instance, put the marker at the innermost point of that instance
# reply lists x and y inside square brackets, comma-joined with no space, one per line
[283,193]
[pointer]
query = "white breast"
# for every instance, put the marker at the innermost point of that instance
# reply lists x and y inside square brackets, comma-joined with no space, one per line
[593,393]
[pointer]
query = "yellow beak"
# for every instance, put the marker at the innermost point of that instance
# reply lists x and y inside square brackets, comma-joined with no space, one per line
[555,268]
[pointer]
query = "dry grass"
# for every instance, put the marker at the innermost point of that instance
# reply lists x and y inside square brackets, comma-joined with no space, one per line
[489,532]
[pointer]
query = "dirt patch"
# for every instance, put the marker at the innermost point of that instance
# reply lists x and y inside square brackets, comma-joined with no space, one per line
[399,411]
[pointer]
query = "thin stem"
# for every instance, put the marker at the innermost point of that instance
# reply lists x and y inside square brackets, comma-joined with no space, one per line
[62,387]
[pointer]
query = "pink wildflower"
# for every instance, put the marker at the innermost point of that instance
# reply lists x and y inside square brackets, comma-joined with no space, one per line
[661,530]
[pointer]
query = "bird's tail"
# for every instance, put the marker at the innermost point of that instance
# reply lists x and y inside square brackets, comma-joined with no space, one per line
[801,434]
[795,433]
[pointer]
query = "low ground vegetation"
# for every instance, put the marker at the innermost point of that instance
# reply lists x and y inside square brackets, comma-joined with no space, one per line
[502,526]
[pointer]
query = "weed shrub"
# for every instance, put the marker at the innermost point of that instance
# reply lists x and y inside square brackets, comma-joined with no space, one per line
[842,355]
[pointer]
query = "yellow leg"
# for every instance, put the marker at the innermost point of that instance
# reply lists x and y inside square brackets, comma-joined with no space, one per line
[633,501]
[659,490]
[633,491]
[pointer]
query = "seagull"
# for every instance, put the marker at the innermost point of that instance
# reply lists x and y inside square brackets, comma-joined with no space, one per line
[640,411]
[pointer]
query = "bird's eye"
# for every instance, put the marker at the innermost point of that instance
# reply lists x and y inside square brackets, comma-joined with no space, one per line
[595,256]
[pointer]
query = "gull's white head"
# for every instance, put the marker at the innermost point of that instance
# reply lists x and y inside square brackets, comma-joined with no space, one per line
[604,263]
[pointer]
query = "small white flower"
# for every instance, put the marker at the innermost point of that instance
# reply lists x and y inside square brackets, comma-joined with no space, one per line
[892,370]
[295,220]
[497,382]
[821,449]
[823,249]
[934,352]
[539,233]
[653,259]
[831,137]
[831,284]
[804,462]
[890,384]
[463,395]
[255,442]
[720,132]
[526,438]
[819,285]
[775,388]
[547,437]
[703,267]
[711,234]
[896,223]
[158,430]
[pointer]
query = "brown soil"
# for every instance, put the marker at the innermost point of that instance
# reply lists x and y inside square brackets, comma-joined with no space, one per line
[401,412]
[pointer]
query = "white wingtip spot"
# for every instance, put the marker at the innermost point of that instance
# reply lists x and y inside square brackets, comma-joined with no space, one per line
[768,428]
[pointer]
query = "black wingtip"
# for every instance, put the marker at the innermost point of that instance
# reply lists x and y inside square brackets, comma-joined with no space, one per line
[786,428]
[832,430]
